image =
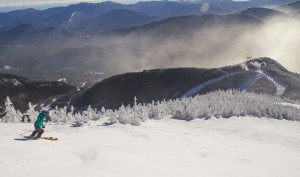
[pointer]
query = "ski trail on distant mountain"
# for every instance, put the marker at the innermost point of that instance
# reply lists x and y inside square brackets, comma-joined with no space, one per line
[199,87]
[71,18]
[250,13]
[248,82]
[280,89]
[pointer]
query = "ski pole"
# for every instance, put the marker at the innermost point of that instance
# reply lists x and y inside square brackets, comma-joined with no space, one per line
[26,132]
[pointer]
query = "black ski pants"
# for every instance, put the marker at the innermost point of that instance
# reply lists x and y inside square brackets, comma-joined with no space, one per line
[38,130]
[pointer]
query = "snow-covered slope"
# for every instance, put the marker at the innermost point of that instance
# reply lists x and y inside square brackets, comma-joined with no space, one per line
[279,88]
[235,147]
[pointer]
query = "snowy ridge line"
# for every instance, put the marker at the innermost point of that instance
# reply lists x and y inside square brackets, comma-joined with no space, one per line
[199,87]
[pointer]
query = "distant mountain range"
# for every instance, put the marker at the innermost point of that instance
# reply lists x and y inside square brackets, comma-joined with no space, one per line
[30,26]
[76,16]
[78,21]
[179,26]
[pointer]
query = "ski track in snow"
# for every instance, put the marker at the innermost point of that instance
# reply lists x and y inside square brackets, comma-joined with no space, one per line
[235,147]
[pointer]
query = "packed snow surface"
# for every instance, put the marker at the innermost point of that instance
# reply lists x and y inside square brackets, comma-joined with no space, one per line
[235,147]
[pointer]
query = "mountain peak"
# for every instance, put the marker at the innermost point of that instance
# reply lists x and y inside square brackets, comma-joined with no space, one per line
[109,2]
[267,62]
[22,11]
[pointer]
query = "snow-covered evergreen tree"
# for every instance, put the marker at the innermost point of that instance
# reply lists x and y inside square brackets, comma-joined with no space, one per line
[11,115]
[54,114]
[218,104]
[31,113]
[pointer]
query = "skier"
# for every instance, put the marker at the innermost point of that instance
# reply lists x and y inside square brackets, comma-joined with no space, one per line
[39,124]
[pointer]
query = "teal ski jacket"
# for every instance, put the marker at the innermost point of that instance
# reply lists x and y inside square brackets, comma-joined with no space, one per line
[40,120]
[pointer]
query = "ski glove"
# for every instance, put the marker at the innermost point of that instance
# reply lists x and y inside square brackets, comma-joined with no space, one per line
[43,126]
